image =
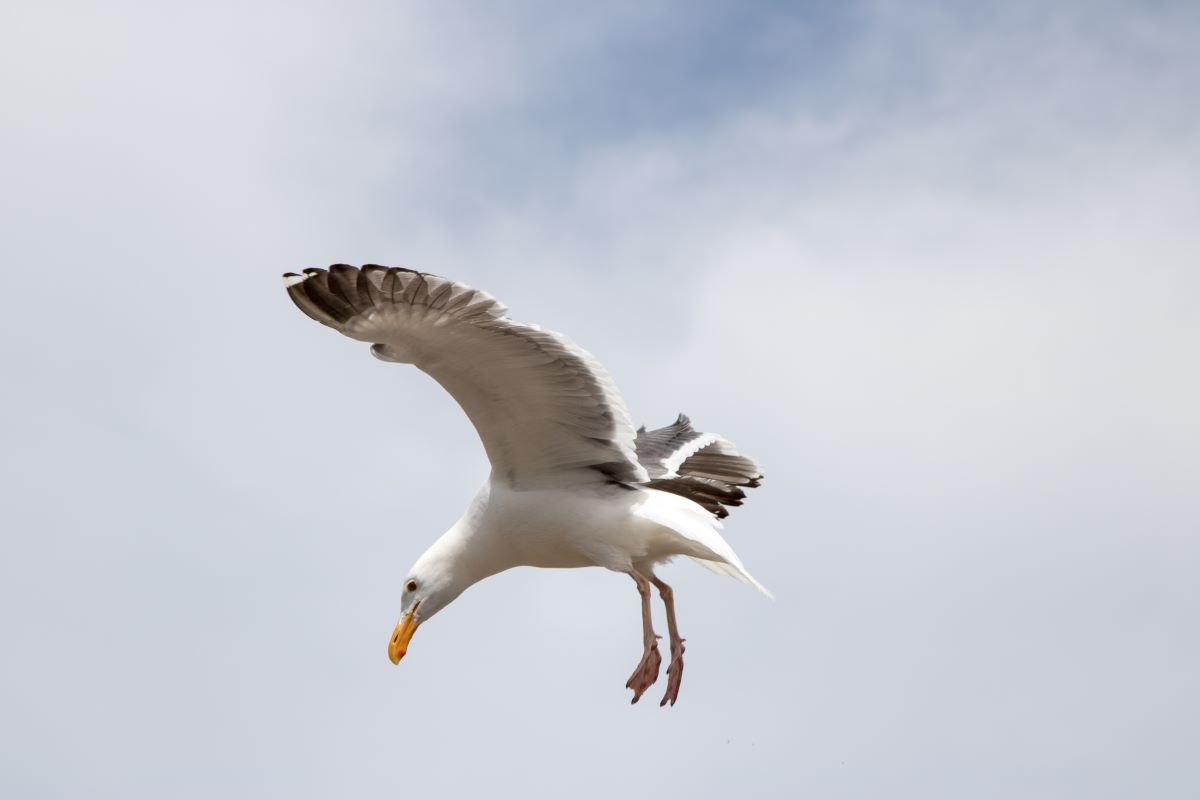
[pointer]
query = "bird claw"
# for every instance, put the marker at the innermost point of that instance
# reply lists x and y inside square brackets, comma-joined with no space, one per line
[645,674]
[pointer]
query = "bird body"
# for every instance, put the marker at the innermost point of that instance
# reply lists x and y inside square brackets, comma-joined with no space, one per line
[596,525]
[572,483]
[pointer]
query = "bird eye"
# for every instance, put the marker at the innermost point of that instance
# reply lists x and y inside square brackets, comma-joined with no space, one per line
[411,586]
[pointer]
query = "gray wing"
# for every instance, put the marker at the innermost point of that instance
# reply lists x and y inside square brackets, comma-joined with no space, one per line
[546,411]
[703,467]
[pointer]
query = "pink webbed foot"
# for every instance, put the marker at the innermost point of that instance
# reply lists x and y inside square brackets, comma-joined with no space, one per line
[674,673]
[646,673]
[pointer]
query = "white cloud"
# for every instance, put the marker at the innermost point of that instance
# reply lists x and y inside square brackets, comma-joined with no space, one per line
[937,274]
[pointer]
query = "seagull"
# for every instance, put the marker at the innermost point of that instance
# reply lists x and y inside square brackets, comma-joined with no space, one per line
[572,483]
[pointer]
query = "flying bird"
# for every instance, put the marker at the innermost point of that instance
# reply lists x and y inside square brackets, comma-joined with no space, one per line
[572,483]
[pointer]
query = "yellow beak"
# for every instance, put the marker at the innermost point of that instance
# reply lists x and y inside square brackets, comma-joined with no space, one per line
[405,629]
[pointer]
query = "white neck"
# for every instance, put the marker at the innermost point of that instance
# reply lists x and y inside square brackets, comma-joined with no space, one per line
[469,550]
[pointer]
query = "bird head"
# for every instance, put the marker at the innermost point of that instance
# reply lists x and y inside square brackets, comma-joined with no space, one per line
[431,585]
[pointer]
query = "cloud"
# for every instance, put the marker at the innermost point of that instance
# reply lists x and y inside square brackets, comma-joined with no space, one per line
[931,264]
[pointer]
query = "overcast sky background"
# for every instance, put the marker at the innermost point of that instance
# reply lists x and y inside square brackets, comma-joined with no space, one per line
[936,265]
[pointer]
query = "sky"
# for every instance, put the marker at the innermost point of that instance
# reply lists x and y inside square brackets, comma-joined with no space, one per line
[936,265]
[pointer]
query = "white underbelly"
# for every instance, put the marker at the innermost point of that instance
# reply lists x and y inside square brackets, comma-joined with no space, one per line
[568,528]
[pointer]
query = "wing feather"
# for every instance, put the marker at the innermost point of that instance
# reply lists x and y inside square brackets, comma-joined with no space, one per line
[703,467]
[545,409]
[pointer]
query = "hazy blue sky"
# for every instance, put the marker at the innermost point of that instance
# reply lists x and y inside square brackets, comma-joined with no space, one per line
[936,265]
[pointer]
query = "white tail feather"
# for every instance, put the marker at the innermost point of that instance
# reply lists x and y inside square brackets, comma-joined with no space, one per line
[740,574]
[701,530]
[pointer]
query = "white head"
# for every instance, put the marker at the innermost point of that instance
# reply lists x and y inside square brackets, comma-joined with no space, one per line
[440,575]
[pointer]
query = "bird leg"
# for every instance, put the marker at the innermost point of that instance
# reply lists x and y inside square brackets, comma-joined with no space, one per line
[675,670]
[646,673]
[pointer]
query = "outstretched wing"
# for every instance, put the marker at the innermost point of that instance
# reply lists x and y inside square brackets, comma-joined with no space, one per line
[703,467]
[545,409]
